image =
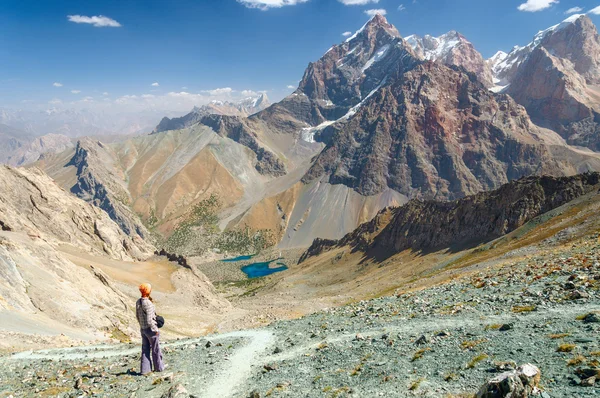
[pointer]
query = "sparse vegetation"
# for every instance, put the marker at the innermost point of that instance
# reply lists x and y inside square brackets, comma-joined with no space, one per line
[199,231]
[559,335]
[450,376]
[566,347]
[494,326]
[419,353]
[470,344]
[476,359]
[415,384]
[523,308]
[576,360]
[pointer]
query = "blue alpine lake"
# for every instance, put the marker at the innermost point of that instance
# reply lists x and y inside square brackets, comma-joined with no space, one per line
[256,270]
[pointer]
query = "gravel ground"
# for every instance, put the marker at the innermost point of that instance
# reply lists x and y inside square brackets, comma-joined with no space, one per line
[443,341]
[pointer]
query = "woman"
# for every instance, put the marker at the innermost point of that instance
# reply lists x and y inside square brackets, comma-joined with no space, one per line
[146,316]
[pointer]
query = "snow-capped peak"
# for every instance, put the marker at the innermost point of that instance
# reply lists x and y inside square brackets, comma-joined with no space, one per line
[435,48]
[504,67]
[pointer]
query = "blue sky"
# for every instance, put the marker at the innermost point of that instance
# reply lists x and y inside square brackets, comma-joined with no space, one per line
[199,46]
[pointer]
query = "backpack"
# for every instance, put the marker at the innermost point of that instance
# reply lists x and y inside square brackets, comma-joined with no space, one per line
[160,321]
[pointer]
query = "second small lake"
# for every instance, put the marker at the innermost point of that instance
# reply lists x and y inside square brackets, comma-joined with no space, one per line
[239,258]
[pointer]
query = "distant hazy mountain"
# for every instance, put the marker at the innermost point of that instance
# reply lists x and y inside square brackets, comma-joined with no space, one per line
[77,123]
[244,108]
[18,147]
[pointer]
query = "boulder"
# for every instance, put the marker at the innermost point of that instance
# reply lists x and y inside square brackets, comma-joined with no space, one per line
[519,383]
[177,391]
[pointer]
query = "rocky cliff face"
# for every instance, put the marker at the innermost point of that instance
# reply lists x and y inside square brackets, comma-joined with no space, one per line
[429,226]
[244,108]
[436,132]
[452,48]
[35,204]
[557,81]
[238,130]
[95,184]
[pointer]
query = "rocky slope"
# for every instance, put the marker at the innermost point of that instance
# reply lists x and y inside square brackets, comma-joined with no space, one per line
[452,48]
[70,274]
[39,283]
[431,226]
[244,108]
[96,184]
[450,340]
[35,204]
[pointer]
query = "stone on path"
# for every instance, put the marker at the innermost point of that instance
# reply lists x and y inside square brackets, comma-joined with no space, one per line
[520,383]
[177,391]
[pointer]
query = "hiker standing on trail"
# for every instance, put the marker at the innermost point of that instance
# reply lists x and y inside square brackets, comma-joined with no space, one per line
[146,316]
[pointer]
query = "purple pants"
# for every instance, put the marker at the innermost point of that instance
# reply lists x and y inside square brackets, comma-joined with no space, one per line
[150,345]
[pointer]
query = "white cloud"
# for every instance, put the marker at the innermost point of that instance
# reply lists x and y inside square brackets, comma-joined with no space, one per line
[249,93]
[266,4]
[184,88]
[573,10]
[57,84]
[595,11]
[105,93]
[99,21]
[55,101]
[75,91]
[536,5]
[175,102]
[358,2]
[291,87]
[401,7]
[346,34]
[375,11]
[155,84]
[219,91]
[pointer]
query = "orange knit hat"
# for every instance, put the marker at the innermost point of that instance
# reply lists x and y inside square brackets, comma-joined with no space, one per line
[145,289]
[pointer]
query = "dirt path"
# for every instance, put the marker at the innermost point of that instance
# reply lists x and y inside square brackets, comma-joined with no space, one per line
[228,380]
[240,364]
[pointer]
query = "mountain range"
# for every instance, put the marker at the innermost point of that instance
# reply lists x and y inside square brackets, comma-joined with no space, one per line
[389,150]
[377,121]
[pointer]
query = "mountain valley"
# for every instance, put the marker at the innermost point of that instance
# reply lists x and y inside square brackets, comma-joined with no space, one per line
[433,214]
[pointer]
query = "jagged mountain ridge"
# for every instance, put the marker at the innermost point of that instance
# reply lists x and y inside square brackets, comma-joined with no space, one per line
[457,134]
[432,225]
[559,82]
[452,48]
[243,108]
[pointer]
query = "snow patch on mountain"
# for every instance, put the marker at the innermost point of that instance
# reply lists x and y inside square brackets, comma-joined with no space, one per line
[379,54]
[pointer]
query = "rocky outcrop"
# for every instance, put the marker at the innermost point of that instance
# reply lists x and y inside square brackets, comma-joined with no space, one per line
[452,48]
[520,383]
[244,108]
[179,259]
[237,129]
[92,185]
[36,205]
[429,226]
